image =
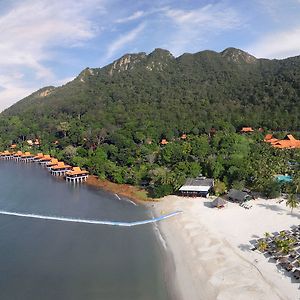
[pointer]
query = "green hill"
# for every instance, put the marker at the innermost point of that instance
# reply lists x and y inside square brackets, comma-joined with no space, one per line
[110,120]
[163,95]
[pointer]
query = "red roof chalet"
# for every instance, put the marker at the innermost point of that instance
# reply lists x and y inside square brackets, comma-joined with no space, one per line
[246,130]
[164,142]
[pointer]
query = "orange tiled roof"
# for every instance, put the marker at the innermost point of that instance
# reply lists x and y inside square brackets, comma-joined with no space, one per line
[26,154]
[77,171]
[164,142]
[19,153]
[183,136]
[61,165]
[13,146]
[268,137]
[5,153]
[46,157]
[247,129]
[288,143]
[53,162]
[39,155]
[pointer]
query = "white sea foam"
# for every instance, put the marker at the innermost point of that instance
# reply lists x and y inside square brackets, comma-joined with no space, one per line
[88,221]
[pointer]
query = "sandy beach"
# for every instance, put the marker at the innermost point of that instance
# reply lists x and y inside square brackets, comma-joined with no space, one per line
[211,249]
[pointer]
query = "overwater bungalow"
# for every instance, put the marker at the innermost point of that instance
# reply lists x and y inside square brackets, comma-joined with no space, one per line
[77,175]
[27,157]
[17,155]
[44,160]
[60,169]
[6,155]
[52,163]
[38,157]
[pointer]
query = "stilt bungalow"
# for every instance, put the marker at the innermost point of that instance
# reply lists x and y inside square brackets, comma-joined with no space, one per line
[52,163]
[44,160]
[38,157]
[6,155]
[197,187]
[27,157]
[77,175]
[17,156]
[60,169]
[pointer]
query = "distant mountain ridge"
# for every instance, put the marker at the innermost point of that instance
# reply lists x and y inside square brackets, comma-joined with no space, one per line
[160,94]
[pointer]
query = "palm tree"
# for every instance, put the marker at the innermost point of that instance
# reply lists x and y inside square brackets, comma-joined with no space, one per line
[292,202]
[262,245]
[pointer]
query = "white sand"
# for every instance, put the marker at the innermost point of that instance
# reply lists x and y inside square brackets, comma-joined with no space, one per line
[212,253]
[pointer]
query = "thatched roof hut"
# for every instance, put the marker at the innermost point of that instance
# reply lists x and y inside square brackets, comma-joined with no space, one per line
[219,202]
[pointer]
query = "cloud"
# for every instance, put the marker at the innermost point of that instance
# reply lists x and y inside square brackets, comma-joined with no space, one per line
[278,44]
[136,15]
[193,26]
[31,29]
[123,40]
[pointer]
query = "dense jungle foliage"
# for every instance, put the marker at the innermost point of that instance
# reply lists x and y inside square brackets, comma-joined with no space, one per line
[110,120]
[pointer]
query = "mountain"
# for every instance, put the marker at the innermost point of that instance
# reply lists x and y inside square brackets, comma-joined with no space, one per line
[159,95]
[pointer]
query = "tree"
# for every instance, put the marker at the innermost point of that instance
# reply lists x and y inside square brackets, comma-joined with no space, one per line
[262,246]
[292,202]
[219,187]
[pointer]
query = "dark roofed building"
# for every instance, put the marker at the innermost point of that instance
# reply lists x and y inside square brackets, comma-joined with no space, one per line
[199,186]
[238,196]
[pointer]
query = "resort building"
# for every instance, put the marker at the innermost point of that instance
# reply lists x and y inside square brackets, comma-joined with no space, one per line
[76,175]
[38,157]
[44,160]
[27,157]
[6,155]
[246,130]
[164,142]
[238,196]
[289,142]
[197,187]
[17,156]
[52,163]
[60,169]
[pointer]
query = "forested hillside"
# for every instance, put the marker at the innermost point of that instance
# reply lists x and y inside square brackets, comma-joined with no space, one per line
[110,120]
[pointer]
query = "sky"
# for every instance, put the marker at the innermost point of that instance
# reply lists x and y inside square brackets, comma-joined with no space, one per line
[46,42]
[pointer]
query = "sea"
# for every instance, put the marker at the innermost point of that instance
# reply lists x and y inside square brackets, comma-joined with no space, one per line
[48,259]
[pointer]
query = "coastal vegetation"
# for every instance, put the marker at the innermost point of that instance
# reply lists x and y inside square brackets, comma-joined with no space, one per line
[111,120]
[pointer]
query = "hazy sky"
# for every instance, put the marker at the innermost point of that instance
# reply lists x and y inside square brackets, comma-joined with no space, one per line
[45,42]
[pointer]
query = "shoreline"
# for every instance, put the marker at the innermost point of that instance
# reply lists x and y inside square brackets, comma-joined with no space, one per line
[210,249]
[138,195]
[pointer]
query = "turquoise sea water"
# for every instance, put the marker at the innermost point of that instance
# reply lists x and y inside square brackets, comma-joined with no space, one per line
[43,259]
